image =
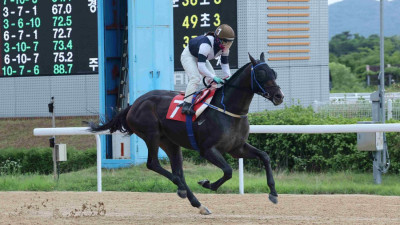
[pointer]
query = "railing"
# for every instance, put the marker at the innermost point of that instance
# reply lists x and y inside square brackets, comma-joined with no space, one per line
[76,131]
[355,108]
[283,129]
[360,96]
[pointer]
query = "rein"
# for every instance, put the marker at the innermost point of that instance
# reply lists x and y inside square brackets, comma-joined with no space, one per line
[239,88]
[263,92]
[253,79]
[224,111]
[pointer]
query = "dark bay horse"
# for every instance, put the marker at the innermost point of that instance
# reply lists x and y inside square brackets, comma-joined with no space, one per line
[215,132]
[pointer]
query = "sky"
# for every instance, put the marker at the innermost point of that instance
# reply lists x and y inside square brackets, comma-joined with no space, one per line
[333,1]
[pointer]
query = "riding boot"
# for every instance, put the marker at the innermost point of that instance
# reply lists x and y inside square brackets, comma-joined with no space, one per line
[187,109]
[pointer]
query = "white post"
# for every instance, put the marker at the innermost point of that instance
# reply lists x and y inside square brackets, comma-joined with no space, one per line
[241,182]
[315,106]
[98,143]
[390,109]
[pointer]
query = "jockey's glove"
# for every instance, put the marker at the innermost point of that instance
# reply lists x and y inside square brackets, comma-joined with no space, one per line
[218,80]
[227,77]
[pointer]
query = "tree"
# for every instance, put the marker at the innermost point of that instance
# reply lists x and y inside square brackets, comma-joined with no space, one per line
[356,51]
[342,79]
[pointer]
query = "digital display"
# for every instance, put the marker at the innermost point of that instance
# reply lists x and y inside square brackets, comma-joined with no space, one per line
[48,37]
[197,17]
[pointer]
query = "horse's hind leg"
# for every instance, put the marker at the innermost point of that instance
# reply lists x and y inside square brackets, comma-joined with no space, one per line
[175,156]
[216,158]
[152,141]
[250,152]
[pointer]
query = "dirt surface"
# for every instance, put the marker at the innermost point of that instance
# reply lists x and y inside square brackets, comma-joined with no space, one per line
[161,208]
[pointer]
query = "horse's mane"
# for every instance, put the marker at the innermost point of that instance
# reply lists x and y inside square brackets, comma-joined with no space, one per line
[236,74]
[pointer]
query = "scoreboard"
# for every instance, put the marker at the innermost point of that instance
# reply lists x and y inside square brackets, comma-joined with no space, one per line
[59,37]
[197,17]
[48,37]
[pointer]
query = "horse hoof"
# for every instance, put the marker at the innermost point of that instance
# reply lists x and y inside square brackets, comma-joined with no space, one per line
[204,210]
[273,199]
[182,193]
[204,183]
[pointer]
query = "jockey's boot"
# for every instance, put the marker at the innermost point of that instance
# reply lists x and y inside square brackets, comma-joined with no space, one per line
[187,109]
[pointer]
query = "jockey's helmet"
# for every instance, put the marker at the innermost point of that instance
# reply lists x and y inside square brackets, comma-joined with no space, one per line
[225,33]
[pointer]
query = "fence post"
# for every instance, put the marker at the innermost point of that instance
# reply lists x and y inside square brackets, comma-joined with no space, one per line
[315,106]
[390,109]
[98,146]
[241,182]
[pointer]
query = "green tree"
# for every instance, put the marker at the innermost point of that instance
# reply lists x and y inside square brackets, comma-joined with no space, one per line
[355,52]
[343,80]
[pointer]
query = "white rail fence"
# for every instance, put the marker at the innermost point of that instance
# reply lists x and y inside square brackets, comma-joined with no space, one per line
[360,108]
[360,96]
[282,129]
[76,131]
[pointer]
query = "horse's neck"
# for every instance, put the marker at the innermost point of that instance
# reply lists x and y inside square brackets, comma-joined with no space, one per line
[237,93]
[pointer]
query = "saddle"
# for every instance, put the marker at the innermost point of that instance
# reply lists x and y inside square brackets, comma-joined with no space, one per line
[175,108]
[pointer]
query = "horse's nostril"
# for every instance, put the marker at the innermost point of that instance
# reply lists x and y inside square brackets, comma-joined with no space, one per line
[278,96]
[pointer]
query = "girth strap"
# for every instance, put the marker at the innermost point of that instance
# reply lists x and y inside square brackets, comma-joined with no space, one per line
[189,128]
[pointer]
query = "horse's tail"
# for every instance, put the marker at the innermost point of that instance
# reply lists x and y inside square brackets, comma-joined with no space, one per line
[118,123]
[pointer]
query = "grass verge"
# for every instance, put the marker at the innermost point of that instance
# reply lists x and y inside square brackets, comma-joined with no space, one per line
[140,179]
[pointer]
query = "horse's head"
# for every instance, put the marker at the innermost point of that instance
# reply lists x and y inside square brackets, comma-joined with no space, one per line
[263,81]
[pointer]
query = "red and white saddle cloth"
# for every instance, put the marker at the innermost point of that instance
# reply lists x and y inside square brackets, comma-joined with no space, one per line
[175,111]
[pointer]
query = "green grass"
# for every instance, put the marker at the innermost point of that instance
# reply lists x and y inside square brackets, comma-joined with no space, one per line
[140,179]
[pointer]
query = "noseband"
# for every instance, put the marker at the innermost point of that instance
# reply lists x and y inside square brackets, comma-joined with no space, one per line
[261,91]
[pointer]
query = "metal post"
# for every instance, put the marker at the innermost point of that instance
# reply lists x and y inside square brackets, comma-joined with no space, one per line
[241,181]
[98,144]
[375,98]
[380,163]
[53,139]
[382,67]
[376,170]
[390,109]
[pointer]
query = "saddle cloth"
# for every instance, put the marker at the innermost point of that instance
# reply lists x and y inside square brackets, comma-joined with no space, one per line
[175,111]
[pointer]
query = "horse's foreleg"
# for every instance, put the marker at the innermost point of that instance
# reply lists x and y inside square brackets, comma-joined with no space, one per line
[250,152]
[215,157]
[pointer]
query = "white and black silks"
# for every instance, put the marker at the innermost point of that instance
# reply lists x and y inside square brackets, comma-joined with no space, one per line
[195,61]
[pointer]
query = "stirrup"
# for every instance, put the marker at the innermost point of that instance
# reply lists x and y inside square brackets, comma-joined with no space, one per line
[187,108]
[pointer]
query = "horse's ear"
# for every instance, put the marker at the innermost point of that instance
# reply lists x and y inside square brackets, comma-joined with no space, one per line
[262,58]
[253,61]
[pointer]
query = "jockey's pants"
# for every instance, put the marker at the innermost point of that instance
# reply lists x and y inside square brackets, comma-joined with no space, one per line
[189,63]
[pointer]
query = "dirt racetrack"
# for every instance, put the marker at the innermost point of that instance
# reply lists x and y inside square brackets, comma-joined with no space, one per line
[161,208]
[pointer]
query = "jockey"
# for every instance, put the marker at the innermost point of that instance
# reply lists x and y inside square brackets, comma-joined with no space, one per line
[195,62]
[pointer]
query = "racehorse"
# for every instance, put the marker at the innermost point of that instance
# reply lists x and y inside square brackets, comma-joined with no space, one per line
[223,128]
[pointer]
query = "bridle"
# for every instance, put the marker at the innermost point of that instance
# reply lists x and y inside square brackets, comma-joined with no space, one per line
[261,90]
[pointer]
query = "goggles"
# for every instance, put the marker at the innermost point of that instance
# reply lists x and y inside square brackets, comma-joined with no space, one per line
[227,39]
